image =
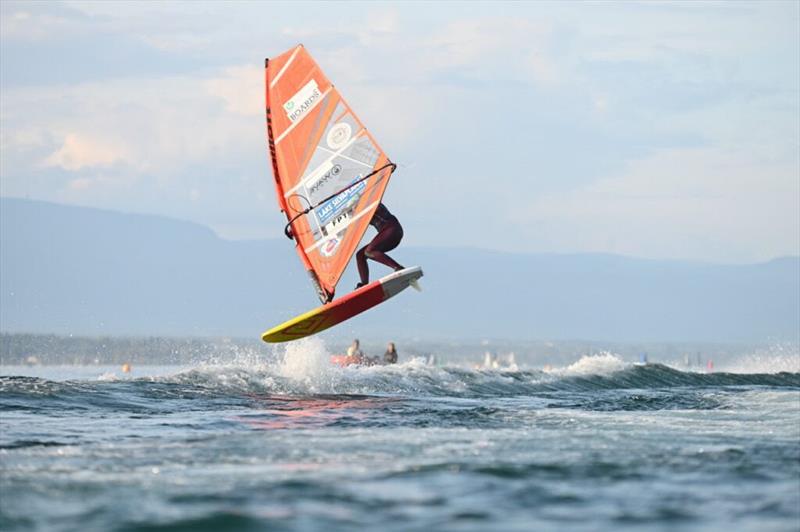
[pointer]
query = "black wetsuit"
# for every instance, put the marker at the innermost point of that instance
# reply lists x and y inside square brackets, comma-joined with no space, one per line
[390,357]
[390,233]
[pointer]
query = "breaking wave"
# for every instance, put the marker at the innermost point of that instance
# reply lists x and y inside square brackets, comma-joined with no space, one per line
[304,369]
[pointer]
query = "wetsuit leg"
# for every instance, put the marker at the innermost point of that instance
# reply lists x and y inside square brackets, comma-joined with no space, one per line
[361,262]
[386,240]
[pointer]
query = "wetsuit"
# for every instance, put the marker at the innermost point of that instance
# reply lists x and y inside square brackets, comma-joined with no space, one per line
[390,233]
[390,357]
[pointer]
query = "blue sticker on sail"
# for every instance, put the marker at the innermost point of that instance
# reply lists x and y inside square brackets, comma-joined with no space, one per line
[337,204]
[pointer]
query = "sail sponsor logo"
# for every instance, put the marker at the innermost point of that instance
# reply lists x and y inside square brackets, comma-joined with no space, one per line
[342,201]
[302,101]
[334,171]
[337,223]
[339,135]
[329,248]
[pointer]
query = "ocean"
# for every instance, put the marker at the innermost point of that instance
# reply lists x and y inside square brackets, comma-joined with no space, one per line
[287,441]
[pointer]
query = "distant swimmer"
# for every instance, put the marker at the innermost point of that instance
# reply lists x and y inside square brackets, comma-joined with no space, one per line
[390,233]
[390,356]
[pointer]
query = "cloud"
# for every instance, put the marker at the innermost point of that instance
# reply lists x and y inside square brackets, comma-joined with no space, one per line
[81,183]
[79,152]
[389,48]
[241,89]
[596,127]
[677,203]
[148,125]
[34,21]
[493,48]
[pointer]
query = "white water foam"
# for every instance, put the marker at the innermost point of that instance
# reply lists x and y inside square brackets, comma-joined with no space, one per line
[600,364]
[308,363]
[776,358]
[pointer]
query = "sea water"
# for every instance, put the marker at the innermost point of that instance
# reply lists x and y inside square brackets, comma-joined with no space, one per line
[294,443]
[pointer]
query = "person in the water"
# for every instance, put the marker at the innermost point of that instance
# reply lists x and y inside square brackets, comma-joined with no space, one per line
[354,351]
[390,233]
[390,356]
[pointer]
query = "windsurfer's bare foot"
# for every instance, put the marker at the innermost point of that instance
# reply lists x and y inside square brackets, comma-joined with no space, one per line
[359,285]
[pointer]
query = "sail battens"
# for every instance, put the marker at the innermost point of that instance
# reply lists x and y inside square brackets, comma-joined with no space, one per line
[283,69]
[334,154]
[346,157]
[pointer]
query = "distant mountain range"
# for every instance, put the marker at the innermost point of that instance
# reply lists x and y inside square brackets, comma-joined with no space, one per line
[82,271]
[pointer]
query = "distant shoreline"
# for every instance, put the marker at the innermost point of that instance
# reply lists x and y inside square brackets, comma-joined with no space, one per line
[19,349]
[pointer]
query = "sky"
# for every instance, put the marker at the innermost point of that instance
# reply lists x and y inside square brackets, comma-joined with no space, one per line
[648,129]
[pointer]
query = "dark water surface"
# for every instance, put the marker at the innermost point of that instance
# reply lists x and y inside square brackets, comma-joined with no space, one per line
[300,445]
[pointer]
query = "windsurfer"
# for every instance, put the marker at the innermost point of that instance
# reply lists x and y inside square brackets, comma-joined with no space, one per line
[390,233]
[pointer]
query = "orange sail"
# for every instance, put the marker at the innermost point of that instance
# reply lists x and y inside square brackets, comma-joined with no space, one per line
[330,174]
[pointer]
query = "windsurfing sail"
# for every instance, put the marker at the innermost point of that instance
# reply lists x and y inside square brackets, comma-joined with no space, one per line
[330,174]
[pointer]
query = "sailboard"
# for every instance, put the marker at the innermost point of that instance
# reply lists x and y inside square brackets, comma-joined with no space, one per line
[344,308]
[330,173]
